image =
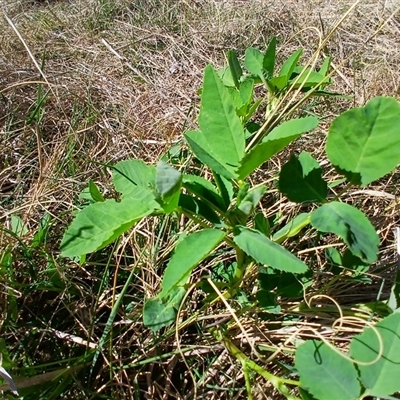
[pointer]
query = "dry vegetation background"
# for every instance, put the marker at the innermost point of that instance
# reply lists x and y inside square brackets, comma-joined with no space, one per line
[124,75]
[121,79]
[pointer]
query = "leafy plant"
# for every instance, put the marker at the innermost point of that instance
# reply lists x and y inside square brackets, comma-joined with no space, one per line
[370,369]
[222,209]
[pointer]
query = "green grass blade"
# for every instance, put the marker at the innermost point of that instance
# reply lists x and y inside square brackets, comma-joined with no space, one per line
[109,324]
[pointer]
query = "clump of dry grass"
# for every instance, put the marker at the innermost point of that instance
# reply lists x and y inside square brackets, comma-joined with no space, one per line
[123,84]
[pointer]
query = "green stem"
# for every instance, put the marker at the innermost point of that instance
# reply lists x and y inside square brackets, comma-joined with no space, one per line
[277,382]
[242,262]
[248,382]
[344,190]
[241,265]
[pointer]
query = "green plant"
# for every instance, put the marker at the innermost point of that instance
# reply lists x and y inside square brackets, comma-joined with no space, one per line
[371,368]
[220,211]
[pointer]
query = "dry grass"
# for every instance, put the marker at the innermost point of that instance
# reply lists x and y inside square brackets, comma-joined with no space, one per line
[121,80]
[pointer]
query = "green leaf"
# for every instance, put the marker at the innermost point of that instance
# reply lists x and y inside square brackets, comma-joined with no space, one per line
[290,64]
[269,57]
[261,224]
[168,179]
[324,70]
[254,62]
[189,252]
[300,180]
[356,269]
[86,196]
[382,377]
[99,224]
[305,395]
[268,302]
[174,154]
[168,184]
[246,92]
[221,272]
[95,192]
[204,189]
[225,187]
[326,374]
[206,154]
[6,360]
[352,262]
[307,79]
[292,228]
[394,298]
[278,81]
[218,120]
[237,100]
[266,252]
[221,143]
[226,76]
[199,208]
[242,192]
[131,173]
[251,199]
[333,255]
[286,71]
[283,283]
[236,69]
[276,141]
[158,313]
[294,286]
[18,226]
[243,97]
[351,225]
[363,143]
[250,112]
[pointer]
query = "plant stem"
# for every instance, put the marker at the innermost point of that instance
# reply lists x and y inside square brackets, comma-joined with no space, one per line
[277,382]
[343,191]
[248,382]
[241,265]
